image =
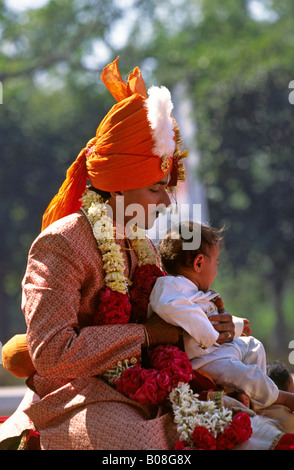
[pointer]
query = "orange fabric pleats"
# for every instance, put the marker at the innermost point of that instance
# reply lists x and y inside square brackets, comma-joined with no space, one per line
[68,198]
[122,156]
[117,86]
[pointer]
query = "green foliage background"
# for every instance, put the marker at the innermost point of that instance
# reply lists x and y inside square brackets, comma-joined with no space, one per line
[236,69]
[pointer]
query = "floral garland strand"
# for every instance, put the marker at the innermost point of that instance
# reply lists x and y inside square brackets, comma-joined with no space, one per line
[96,211]
[168,367]
[145,274]
[115,304]
[202,425]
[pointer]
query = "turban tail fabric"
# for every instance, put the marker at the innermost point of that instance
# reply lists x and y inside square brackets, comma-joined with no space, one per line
[136,145]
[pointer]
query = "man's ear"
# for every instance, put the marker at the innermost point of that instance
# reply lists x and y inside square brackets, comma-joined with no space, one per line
[198,262]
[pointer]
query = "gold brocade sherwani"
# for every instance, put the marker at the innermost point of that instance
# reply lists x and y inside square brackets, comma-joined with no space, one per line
[71,407]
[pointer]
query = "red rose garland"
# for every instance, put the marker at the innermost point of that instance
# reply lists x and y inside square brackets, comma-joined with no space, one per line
[113,307]
[169,366]
[143,282]
[203,439]
[237,432]
[117,307]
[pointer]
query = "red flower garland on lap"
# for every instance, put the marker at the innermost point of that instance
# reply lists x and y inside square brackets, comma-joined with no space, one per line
[237,432]
[169,366]
[173,361]
[203,439]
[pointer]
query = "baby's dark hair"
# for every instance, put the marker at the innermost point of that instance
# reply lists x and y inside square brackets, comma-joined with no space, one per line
[279,374]
[171,251]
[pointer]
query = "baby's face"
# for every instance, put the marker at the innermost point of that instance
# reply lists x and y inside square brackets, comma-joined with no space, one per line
[209,269]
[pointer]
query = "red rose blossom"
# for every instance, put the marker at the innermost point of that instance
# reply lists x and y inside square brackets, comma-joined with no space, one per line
[180,445]
[163,356]
[164,381]
[143,282]
[238,431]
[241,425]
[113,307]
[129,381]
[150,393]
[203,439]
[152,386]
[141,385]
[172,360]
[224,443]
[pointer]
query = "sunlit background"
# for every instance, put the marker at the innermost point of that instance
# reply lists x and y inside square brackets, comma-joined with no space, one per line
[228,64]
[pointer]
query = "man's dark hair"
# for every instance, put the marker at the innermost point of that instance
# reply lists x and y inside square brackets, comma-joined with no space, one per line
[279,374]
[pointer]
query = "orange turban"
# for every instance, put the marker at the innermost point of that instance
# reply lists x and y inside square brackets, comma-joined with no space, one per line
[135,144]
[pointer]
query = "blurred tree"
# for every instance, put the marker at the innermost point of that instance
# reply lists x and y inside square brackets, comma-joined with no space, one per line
[238,70]
[246,135]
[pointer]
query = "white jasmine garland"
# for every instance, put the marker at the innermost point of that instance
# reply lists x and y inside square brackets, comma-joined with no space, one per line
[190,412]
[95,210]
[140,245]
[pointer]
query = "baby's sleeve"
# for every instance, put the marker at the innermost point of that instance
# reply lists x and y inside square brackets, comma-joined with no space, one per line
[239,326]
[173,306]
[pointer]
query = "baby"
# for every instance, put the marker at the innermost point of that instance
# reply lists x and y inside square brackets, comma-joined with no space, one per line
[184,298]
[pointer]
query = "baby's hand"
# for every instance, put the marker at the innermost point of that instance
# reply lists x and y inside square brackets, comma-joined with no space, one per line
[247,328]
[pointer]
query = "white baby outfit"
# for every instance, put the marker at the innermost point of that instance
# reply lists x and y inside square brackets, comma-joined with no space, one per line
[238,365]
